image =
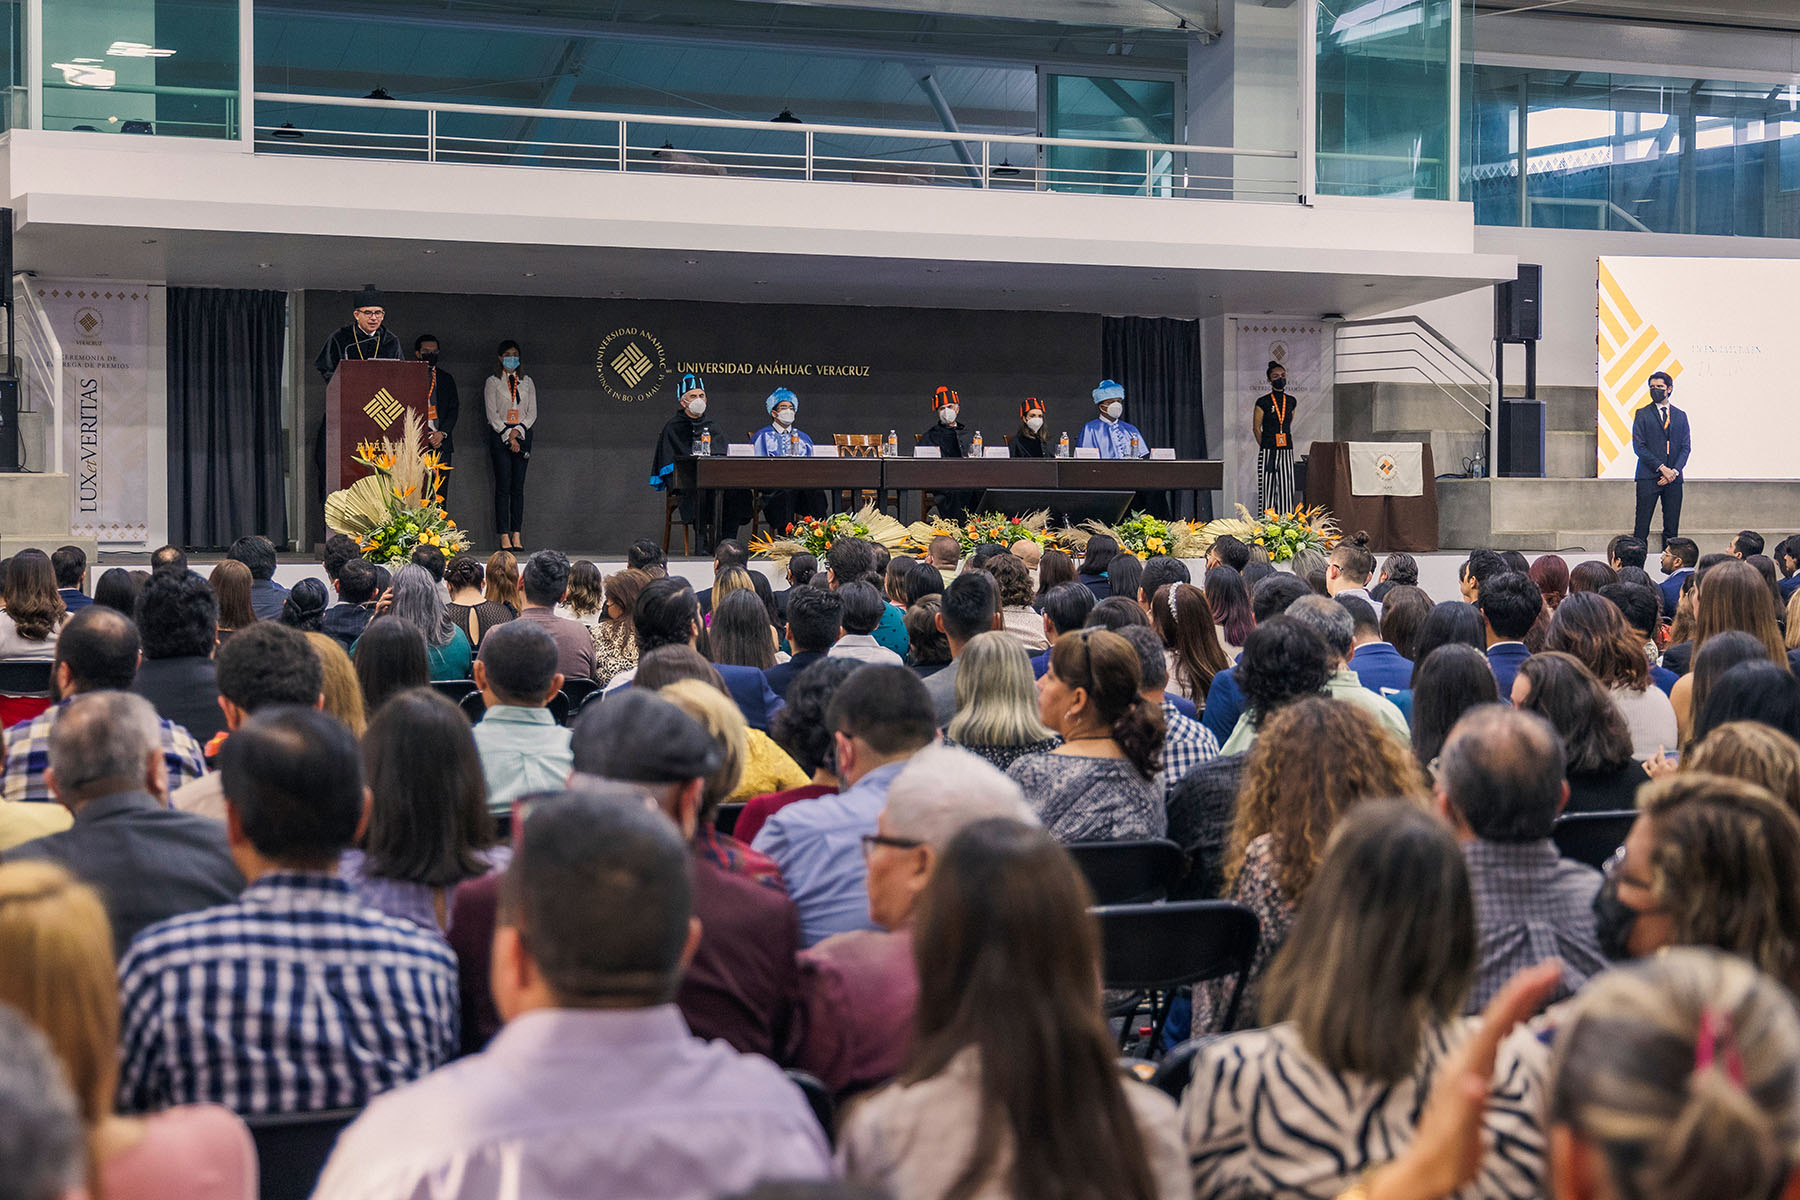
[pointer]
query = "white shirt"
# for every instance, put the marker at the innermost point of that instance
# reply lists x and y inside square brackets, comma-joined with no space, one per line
[1650,717]
[864,648]
[497,399]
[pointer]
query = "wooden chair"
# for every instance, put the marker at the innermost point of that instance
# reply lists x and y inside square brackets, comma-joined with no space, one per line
[672,508]
[861,445]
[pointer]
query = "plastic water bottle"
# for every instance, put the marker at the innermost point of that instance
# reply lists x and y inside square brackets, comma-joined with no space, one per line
[892,449]
[975,446]
[1062,447]
[706,443]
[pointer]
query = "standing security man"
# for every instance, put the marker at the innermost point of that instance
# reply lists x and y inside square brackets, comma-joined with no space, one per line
[1660,436]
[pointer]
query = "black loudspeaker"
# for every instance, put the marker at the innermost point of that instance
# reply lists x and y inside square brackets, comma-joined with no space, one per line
[9,426]
[1521,439]
[1518,306]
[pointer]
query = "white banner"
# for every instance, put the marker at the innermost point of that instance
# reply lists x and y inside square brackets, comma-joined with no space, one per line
[1387,469]
[104,329]
[1305,348]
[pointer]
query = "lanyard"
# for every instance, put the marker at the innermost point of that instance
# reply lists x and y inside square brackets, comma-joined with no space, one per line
[1280,406]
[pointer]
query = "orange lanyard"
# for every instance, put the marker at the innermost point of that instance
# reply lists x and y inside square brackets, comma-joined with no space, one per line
[1280,407]
[1668,446]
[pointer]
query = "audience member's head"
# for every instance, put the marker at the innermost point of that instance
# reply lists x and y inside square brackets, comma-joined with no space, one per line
[669,664]
[1066,608]
[1516,561]
[1751,691]
[1282,662]
[517,666]
[927,645]
[461,574]
[266,665]
[1384,948]
[1229,602]
[356,580]
[340,548]
[343,696]
[1097,555]
[852,559]
[1054,568]
[30,596]
[1350,563]
[502,578]
[1765,566]
[169,558]
[118,589]
[105,743]
[255,552]
[1185,623]
[1678,553]
[293,786]
[1365,625]
[231,582]
[741,635]
[1447,683]
[800,728]
[880,715]
[1400,569]
[178,616]
[1551,574]
[640,738]
[646,554]
[1591,576]
[1094,689]
[1329,622]
[1403,612]
[545,579]
[432,559]
[1592,629]
[1274,594]
[1228,551]
[42,1153]
[801,568]
[305,604]
[1115,613]
[1480,566]
[1163,570]
[1559,688]
[390,657]
[1639,604]
[69,564]
[860,607]
[1734,596]
[814,619]
[1510,604]
[428,819]
[1753,752]
[922,580]
[98,648]
[1017,590]
[419,602]
[587,589]
[1029,552]
[1745,544]
[621,591]
[971,606]
[1125,575]
[713,708]
[1626,551]
[1501,775]
[666,614]
[1451,621]
[996,695]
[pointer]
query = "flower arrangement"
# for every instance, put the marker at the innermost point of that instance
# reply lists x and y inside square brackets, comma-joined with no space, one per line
[1282,534]
[980,528]
[399,505]
[1139,533]
[816,535]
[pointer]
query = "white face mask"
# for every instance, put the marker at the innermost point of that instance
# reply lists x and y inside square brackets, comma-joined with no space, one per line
[948,415]
[1111,410]
[784,416]
[1034,423]
[696,408]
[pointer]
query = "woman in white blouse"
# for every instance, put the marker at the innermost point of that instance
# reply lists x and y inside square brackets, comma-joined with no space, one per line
[511,402]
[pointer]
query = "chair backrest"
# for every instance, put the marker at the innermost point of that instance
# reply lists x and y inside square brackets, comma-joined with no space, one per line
[819,1097]
[473,706]
[858,445]
[1134,872]
[1592,838]
[1157,947]
[560,708]
[291,1149]
[453,690]
[578,690]
[726,819]
[27,677]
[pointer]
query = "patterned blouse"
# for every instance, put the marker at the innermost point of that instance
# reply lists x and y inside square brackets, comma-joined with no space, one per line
[1083,799]
[615,649]
[1258,890]
[1004,757]
[1264,1117]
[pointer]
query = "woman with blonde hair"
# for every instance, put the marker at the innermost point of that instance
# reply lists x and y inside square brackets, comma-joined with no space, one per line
[1288,805]
[57,970]
[1754,753]
[230,582]
[731,579]
[996,702]
[502,577]
[343,692]
[754,764]
[586,598]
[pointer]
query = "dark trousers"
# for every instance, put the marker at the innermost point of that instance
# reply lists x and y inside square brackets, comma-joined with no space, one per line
[697,510]
[509,487]
[1648,491]
[780,508]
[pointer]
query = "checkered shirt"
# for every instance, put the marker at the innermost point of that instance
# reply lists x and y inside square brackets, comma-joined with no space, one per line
[295,998]
[25,753]
[1186,744]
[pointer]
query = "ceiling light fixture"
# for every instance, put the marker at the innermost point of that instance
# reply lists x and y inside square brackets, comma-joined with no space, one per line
[288,133]
[786,117]
[380,93]
[137,50]
[87,72]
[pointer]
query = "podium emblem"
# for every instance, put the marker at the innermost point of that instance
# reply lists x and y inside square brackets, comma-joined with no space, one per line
[632,364]
[383,409]
[1386,467]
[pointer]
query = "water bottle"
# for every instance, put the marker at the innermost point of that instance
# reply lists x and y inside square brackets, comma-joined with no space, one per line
[892,448]
[706,443]
[975,446]
[793,444]
[694,447]
[1062,447]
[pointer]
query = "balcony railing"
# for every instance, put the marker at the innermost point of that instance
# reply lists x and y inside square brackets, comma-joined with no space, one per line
[342,127]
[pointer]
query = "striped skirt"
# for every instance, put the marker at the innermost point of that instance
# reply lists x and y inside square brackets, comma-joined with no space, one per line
[1275,481]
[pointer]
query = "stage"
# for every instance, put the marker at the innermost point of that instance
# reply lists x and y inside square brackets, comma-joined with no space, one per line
[1581,515]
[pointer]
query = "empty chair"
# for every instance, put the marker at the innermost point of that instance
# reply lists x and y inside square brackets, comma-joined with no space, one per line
[1131,872]
[1592,838]
[291,1149]
[1157,948]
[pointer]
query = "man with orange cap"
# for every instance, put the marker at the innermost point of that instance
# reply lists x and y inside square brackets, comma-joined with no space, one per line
[1031,441]
[952,439]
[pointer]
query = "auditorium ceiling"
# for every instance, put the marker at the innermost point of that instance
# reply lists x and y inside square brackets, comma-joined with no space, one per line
[1739,14]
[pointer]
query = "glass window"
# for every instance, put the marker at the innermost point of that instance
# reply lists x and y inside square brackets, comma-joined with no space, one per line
[1384,97]
[142,66]
[1108,110]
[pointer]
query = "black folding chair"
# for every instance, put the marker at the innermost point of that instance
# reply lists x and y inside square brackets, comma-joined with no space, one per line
[819,1097]
[1134,872]
[726,819]
[1157,948]
[1592,838]
[453,690]
[291,1149]
[577,690]
[28,678]
[474,708]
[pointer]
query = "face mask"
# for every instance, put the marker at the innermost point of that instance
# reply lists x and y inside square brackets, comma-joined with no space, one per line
[1279,383]
[696,408]
[947,415]
[510,362]
[1613,921]
[1659,394]
[1034,423]
[784,416]
[1112,410]
[430,357]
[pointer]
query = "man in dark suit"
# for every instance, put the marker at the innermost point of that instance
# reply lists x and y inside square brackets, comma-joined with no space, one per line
[147,861]
[1659,435]
[814,621]
[1381,668]
[441,407]
[1509,604]
[266,596]
[1679,557]
[70,565]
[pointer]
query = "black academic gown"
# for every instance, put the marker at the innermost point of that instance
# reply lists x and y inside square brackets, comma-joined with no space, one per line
[443,395]
[1026,444]
[677,443]
[952,441]
[348,342]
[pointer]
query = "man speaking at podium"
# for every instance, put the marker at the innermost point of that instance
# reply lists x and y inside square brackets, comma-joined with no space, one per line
[365,337]
[1660,436]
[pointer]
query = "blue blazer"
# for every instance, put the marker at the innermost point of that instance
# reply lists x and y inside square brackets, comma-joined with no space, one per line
[1380,667]
[1671,591]
[1506,659]
[1649,440]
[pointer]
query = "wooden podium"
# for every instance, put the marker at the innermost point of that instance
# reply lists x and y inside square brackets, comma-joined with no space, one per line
[368,400]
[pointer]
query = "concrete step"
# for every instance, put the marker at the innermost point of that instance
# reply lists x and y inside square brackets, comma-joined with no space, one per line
[1365,412]
[1570,455]
[1566,409]
[1586,513]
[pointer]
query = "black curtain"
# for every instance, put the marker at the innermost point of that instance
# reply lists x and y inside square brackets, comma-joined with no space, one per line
[225,461]
[1157,359]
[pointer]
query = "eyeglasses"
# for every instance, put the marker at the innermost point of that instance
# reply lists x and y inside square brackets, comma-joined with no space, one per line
[872,840]
[371,312]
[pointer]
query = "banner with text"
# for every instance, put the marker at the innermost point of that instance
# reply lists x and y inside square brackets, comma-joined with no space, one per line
[1711,325]
[1305,349]
[105,334]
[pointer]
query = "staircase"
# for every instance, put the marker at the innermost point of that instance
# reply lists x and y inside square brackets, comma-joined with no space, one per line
[1400,380]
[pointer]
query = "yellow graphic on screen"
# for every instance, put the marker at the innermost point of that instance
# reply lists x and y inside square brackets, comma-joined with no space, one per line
[1631,349]
[383,409]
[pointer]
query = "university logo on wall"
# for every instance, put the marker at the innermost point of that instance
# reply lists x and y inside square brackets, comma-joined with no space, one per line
[1278,352]
[631,363]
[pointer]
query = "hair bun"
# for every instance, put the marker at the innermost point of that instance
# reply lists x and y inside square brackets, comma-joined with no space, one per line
[1360,538]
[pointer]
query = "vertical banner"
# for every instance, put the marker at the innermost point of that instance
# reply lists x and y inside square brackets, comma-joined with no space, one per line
[104,329]
[1305,349]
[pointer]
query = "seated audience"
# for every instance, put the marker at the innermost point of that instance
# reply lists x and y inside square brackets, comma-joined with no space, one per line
[851,560]
[522,749]
[971,606]
[257,553]
[1754,753]
[1729,595]
[761,766]
[1403,615]
[799,573]
[1602,773]
[1288,806]
[1641,607]
[304,607]
[118,589]
[1125,576]
[814,622]
[1348,569]
[1228,551]
[997,702]
[148,862]
[1186,743]
[1376,664]
[1723,652]
[355,584]
[469,607]
[1591,576]
[296,997]
[343,694]
[390,658]
[1551,574]
[33,609]
[858,990]
[230,582]
[97,651]
[1017,591]
[1365,997]
[1225,698]
[1163,571]
[1397,570]
[1054,567]
[1510,604]
[1115,613]
[879,718]
[177,619]
[501,581]
[69,565]
[1333,625]
[1096,557]
[1454,679]
[1064,612]
[860,611]
[1189,629]
[428,829]
[801,731]
[595,1087]
[545,582]
[1102,784]
[667,614]
[1011,1088]
[1752,691]
[57,971]
[1590,628]
[585,600]
[615,638]
[1228,600]
[1500,784]
[417,602]
[928,648]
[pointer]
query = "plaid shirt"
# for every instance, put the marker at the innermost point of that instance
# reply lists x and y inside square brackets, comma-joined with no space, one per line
[730,855]
[294,998]
[1186,745]
[1530,904]
[25,751]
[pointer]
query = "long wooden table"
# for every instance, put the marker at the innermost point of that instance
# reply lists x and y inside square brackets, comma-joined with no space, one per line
[904,477]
